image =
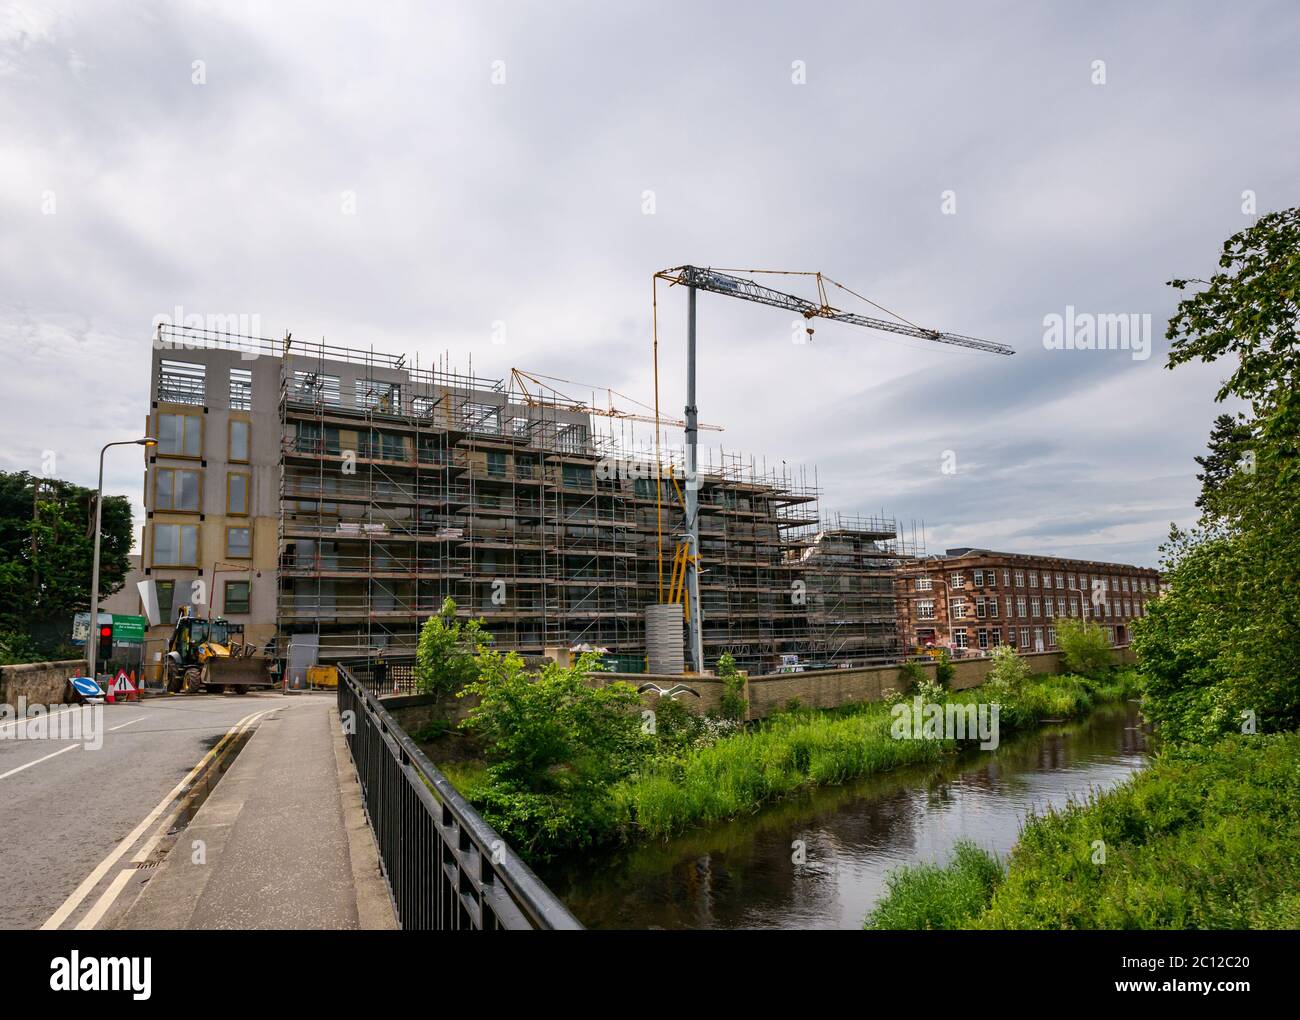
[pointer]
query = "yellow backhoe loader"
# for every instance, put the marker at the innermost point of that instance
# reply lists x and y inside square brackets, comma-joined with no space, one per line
[210,655]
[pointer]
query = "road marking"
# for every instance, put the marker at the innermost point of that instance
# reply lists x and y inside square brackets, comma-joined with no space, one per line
[122,726]
[101,906]
[62,750]
[166,824]
[96,913]
[101,869]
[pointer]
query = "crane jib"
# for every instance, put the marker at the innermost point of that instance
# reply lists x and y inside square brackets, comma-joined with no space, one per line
[751,290]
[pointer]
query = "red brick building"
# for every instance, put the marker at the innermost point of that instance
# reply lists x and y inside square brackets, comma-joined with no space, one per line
[972,600]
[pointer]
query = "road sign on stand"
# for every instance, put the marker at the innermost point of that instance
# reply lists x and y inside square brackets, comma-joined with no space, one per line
[122,687]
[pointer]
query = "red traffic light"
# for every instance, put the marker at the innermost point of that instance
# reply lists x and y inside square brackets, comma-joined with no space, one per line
[106,630]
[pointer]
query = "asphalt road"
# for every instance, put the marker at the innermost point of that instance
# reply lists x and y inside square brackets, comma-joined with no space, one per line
[64,806]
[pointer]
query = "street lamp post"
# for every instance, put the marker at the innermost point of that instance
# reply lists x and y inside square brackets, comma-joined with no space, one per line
[92,634]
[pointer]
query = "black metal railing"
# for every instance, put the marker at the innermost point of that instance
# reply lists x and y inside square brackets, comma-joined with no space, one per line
[446,868]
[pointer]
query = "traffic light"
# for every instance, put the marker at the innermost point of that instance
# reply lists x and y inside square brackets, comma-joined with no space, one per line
[105,642]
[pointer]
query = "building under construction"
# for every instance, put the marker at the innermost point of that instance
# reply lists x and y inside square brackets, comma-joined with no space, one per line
[392,487]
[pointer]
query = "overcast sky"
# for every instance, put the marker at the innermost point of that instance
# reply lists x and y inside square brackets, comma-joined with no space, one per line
[416,175]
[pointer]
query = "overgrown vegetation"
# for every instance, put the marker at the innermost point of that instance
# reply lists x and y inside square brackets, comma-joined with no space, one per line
[1221,649]
[1208,837]
[1084,645]
[931,897]
[574,764]
[446,657]
[46,552]
[734,705]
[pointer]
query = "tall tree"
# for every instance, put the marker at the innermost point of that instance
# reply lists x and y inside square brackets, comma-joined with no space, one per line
[1230,449]
[46,548]
[1221,651]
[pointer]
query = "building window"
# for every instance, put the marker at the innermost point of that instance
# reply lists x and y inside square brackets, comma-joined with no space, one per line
[979,579]
[166,596]
[1035,608]
[577,475]
[236,597]
[481,418]
[1024,637]
[181,382]
[979,608]
[1051,635]
[1020,578]
[959,609]
[1074,607]
[176,489]
[1009,613]
[991,578]
[958,581]
[1060,581]
[993,606]
[959,637]
[995,636]
[239,542]
[983,638]
[1069,580]
[1033,579]
[240,432]
[925,609]
[1020,607]
[241,389]
[496,464]
[237,485]
[180,435]
[175,545]
[317,387]
[924,584]
[1047,606]
[385,397]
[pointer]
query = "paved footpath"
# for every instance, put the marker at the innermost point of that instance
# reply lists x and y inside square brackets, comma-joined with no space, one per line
[281,842]
[67,805]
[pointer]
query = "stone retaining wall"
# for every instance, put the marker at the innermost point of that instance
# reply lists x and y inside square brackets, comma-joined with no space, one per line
[41,683]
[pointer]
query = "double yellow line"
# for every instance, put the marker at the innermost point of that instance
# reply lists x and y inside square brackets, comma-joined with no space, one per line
[93,916]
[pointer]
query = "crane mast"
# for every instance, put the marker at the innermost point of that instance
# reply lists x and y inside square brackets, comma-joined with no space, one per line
[695,278]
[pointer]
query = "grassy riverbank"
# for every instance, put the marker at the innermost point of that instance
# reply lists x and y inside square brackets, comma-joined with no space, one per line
[679,786]
[1208,837]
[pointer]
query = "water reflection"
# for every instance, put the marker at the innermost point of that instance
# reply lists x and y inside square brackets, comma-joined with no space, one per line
[743,874]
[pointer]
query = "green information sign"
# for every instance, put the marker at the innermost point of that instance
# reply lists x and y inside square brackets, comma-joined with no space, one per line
[128,628]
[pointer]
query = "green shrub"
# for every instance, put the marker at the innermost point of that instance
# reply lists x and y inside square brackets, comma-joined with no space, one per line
[1084,647]
[911,675]
[445,657]
[556,745]
[945,670]
[1009,672]
[734,704]
[925,896]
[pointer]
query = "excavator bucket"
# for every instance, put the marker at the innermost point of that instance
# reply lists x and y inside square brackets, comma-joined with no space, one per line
[237,671]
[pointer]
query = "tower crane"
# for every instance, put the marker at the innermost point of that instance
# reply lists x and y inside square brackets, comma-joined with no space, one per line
[695,278]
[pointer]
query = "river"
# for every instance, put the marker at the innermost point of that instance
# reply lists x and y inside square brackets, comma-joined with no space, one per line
[742,874]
